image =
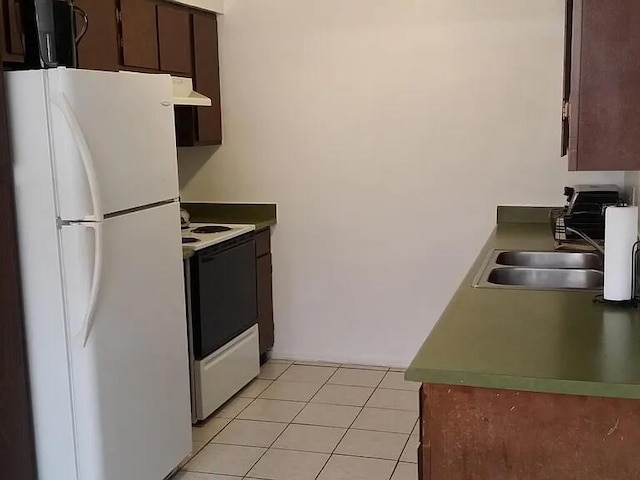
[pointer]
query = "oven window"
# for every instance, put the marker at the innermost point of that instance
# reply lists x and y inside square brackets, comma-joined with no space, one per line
[225,294]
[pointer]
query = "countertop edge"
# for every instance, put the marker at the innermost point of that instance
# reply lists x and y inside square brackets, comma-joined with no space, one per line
[262,215]
[525,384]
[438,362]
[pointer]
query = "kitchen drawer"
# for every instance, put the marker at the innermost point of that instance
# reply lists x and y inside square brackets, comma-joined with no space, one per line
[263,242]
[227,370]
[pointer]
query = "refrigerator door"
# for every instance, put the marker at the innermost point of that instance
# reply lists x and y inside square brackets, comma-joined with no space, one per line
[130,379]
[113,141]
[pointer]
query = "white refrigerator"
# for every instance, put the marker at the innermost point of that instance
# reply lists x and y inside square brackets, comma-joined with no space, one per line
[100,249]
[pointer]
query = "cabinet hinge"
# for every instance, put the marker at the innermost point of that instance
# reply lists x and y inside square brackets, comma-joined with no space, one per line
[119,15]
[566,110]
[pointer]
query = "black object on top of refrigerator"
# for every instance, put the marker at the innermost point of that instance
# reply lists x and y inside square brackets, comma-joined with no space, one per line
[50,37]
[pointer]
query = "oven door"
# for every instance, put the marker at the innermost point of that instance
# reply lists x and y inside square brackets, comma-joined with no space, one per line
[224,291]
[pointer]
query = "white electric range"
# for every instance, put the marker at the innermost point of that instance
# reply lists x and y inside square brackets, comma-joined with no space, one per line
[202,235]
[222,313]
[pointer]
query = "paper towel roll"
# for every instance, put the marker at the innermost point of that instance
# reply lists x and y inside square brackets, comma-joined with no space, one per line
[620,234]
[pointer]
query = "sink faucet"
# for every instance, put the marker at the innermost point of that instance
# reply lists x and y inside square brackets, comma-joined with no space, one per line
[586,238]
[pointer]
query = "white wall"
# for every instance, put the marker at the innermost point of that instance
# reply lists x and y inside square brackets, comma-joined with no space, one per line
[387,131]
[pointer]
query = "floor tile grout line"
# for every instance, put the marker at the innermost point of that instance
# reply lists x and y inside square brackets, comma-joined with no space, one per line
[388,408]
[410,434]
[415,424]
[405,445]
[289,423]
[330,454]
[327,383]
[339,404]
[307,403]
[235,417]
[293,419]
[395,468]
[352,423]
[256,462]
[379,431]
[277,376]
[206,444]
[347,431]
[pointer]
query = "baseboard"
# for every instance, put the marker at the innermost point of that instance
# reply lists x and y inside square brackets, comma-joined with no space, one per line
[338,359]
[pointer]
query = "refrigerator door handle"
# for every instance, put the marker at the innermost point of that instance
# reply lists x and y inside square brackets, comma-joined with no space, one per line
[62,103]
[89,316]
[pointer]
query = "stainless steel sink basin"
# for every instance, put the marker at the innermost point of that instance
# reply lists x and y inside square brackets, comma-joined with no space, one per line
[550,260]
[547,278]
[540,270]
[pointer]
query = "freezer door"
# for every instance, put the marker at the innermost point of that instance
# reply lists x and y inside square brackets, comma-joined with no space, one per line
[114,143]
[130,378]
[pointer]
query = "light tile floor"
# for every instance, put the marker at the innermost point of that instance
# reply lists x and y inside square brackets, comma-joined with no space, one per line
[312,421]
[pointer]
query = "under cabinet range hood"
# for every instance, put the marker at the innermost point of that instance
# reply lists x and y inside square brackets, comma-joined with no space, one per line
[183,93]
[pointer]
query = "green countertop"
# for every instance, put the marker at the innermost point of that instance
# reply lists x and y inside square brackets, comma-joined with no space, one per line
[262,215]
[541,341]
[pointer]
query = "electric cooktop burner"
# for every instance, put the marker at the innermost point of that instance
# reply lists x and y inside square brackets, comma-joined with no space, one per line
[211,229]
[189,240]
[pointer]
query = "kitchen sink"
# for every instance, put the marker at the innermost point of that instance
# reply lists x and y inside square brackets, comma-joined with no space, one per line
[551,260]
[541,270]
[547,278]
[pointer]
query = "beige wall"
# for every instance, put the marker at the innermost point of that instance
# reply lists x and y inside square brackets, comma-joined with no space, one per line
[387,131]
[210,5]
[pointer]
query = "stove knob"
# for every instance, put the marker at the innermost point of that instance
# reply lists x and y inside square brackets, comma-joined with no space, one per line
[568,192]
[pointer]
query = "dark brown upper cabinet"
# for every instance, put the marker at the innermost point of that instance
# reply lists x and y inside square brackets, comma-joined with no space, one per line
[203,125]
[601,111]
[98,49]
[174,38]
[148,36]
[13,48]
[207,78]
[139,34]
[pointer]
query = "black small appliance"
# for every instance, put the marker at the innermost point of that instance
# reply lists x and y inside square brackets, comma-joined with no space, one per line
[585,208]
[50,36]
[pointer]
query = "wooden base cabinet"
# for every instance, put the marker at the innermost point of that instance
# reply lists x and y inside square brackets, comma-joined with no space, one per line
[265,291]
[469,433]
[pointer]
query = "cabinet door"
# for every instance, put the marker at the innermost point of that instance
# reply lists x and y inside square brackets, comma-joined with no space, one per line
[174,38]
[12,24]
[566,88]
[98,49]
[139,34]
[263,242]
[604,116]
[207,77]
[424,448]
[265,303]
